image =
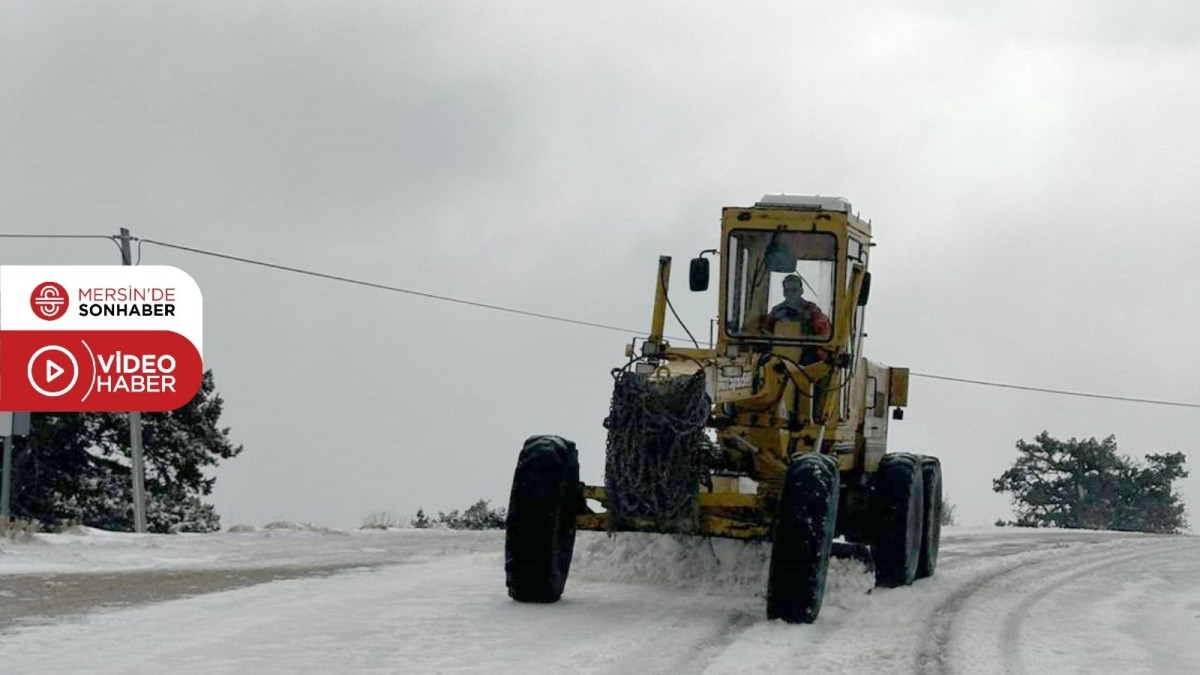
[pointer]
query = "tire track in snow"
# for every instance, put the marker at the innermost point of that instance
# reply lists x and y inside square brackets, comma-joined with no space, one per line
[933,654]
[935,645]
[708,649]
[681,634]
[1014,620]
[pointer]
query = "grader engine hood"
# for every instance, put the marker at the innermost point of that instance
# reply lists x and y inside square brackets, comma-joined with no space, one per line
[759,379]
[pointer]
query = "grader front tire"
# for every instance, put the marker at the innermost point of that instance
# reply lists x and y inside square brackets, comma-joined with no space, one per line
[540,537]
[803,538]
[900,496]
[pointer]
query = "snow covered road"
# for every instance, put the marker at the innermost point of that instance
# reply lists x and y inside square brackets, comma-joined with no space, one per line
[1003,601]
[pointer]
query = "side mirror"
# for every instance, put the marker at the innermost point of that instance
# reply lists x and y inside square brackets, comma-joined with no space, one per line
[698,274]
[865,293]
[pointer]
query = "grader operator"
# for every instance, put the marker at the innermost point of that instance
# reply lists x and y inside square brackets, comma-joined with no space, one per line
[776,432]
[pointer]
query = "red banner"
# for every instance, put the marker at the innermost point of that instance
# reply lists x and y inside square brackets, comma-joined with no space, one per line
[103,370]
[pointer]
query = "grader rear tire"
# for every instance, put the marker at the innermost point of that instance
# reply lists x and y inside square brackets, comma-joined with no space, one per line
[931,476]
[540,537]
[803,537]
[900,497]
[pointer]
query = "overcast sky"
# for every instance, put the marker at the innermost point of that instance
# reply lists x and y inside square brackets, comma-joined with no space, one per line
[1032,174]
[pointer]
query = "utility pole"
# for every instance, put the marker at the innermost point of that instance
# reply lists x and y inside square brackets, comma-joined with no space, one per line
[135,428]
[11,424]
[6,485]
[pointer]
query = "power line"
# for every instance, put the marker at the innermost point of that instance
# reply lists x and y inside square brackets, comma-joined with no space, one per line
[551,317]
[58,236]
[395,289]
[1057,391]
[110,237]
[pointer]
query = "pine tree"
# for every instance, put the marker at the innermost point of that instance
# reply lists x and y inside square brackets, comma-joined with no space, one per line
[75,467]
[1086,484]
[481,517]
[421,521]
[1149,502]
[451,520]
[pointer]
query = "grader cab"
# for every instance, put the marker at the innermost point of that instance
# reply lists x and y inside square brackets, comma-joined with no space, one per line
[777,431]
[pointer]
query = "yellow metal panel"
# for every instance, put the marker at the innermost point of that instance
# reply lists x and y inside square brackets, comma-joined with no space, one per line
[846,462]
[843,309]
[660,298]
[898,386]
[724,483]
[706,499]
[735,529]
[592,521]
[728,500]
[698,354]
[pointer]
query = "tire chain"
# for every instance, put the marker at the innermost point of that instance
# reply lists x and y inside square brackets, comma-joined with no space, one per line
[656,450]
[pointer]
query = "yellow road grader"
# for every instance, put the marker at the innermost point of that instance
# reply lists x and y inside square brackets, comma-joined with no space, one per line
[777,432]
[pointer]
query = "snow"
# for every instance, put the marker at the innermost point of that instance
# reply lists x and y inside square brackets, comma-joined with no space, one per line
[90,550]
[1004,600]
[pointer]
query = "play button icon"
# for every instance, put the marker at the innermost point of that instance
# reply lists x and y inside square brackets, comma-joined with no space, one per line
[47,370]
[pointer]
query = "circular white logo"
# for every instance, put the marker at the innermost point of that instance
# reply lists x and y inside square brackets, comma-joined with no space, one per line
[49,301]
[52,371]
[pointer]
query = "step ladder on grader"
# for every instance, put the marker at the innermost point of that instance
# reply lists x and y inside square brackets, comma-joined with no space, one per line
[778,432]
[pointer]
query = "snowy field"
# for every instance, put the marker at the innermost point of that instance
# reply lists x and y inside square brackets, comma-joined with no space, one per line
[1003,601]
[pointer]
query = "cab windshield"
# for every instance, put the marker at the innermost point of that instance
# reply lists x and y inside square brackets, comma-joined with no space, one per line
[780,284]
